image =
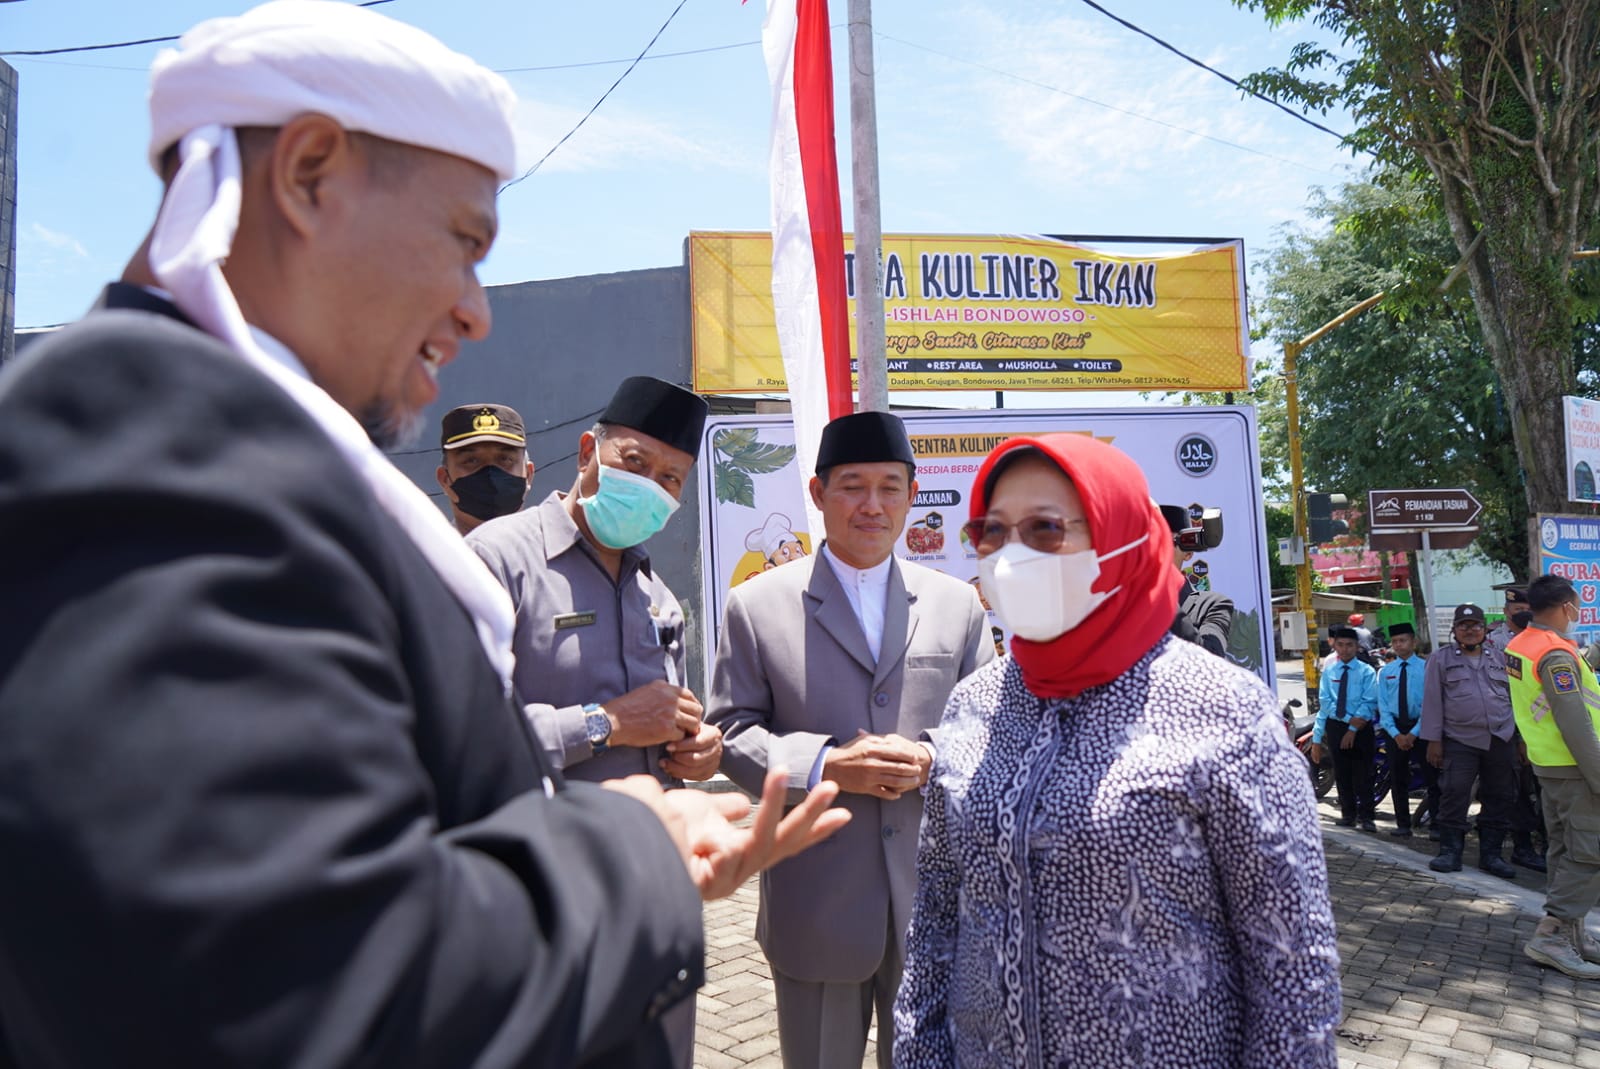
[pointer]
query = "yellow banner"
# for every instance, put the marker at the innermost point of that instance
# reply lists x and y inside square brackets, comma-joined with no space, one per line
[990,312]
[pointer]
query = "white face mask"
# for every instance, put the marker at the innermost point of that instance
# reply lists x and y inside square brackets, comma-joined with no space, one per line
[1042,596]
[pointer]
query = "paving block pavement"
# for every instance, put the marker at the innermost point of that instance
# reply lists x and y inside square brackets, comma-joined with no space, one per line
[1433,972]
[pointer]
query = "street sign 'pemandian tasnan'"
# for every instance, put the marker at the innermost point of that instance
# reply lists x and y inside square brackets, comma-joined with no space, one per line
[1417,510]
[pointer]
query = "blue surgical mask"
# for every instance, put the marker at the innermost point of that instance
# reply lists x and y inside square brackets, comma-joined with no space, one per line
[626,509]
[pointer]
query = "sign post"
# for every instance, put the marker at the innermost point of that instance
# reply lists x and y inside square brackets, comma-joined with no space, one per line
[1424,520]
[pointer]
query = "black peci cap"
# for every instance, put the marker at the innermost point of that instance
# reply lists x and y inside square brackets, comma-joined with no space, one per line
[667,413]
[1343,632]
[468,424]
[864,438]
[1401,628]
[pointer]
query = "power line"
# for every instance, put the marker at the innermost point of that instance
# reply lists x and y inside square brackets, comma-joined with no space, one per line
[126,44]
[1206,67]
[1098,103]
[624,59]
[597,103]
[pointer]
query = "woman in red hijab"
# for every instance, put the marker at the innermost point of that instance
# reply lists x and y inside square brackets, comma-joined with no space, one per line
[1120,862]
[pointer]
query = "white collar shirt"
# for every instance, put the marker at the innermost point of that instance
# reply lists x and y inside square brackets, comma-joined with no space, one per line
[868,592]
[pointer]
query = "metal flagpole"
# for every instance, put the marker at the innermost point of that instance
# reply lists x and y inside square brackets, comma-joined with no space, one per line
[872,363]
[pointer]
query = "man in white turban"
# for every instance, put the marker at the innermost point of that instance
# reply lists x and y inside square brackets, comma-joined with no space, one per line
[264,796]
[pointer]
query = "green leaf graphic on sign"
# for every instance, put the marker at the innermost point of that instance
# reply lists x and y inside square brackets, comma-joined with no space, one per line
[734,486]
[739,455]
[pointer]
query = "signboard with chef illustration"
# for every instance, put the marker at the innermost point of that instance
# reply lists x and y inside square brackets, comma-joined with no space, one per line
[1200,458]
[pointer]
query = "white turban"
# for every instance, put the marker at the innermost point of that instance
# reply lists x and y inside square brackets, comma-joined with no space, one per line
[370,74]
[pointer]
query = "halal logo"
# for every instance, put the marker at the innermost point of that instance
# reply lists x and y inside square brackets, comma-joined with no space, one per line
[485,422]
[1549,534]
[1196,455]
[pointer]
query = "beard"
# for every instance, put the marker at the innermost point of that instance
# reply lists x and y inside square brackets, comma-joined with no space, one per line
[390,426]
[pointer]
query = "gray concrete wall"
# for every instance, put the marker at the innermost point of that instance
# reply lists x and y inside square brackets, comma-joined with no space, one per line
[557,351]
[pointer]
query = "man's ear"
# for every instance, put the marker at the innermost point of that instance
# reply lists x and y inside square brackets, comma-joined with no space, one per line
[311,156]
[444,483]
[816,491]
[586,447]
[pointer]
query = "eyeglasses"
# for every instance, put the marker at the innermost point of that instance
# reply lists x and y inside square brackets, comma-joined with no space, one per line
[1044,534]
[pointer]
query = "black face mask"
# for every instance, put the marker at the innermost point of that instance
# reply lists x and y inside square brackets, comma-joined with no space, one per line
[489,492]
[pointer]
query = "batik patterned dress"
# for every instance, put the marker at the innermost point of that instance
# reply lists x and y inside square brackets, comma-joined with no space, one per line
[1131,877]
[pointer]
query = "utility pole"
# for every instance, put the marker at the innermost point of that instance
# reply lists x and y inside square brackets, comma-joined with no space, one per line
[1291,389]
[871,359]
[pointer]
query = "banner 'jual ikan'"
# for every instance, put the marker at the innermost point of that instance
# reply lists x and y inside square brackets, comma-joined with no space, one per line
[992,312]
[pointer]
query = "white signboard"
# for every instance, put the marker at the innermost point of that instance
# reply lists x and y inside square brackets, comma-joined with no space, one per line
[754,516]
[1582,417]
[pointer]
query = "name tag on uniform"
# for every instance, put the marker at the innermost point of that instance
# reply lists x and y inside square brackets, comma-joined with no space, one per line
[1513,666]
[568,620]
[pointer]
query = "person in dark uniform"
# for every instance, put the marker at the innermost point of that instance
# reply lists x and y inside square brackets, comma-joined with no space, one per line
[1399,712]
[484,468]
[263,798]
[1471,735]
[1347,709]
[1205,617]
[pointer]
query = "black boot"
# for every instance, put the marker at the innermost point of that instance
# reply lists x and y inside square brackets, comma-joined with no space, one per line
[1450,846]
[1523,852]
[1489,859]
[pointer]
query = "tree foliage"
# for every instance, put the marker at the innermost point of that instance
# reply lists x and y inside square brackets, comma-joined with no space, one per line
[1403,395]
[1498,102]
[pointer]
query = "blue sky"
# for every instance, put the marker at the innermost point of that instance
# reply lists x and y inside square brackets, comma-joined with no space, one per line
[1013,116]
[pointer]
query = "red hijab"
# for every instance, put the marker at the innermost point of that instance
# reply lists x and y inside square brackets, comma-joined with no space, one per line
[1117,505]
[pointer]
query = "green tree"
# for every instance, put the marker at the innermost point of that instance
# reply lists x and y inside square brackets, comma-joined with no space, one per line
[1499,102]
[1405,394]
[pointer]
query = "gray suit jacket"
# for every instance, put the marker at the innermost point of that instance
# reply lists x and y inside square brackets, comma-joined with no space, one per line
[793,673]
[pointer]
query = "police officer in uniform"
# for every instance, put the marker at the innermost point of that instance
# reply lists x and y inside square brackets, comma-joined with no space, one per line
[1557,703]
[1467,722]
[484,467]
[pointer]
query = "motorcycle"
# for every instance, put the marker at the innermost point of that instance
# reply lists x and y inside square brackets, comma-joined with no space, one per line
[1300,730]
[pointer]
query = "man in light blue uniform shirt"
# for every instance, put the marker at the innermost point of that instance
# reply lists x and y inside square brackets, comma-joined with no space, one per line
[1347,707]
[1399,712]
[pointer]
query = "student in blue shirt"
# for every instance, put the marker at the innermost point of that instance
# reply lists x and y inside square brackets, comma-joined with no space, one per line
[1399,711]
[1348,705]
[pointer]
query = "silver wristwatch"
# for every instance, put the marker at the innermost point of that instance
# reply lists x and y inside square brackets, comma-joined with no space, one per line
[597,726]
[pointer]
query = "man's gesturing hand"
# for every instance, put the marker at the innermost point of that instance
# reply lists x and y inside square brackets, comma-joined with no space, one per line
[721,857]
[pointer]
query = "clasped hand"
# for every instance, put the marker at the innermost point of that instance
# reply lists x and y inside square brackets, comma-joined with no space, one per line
[884,766]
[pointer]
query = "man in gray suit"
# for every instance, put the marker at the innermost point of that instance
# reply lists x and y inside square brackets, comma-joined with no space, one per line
[837,667]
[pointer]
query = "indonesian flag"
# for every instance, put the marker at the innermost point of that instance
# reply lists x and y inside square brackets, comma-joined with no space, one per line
[808,284]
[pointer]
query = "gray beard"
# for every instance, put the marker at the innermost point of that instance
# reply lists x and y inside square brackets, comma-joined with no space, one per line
[390,428]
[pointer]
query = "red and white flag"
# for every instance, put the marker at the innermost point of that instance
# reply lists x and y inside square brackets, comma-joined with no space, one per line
[808,284]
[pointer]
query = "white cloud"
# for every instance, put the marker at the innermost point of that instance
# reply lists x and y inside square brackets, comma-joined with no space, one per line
[613,139]
[54,239]
[1112,133]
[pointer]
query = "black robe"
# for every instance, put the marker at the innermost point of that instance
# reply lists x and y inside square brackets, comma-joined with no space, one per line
[262,800]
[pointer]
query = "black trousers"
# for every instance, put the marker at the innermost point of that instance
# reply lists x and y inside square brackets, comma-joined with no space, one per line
[1403,764]
[1352,769]
[1495,771]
